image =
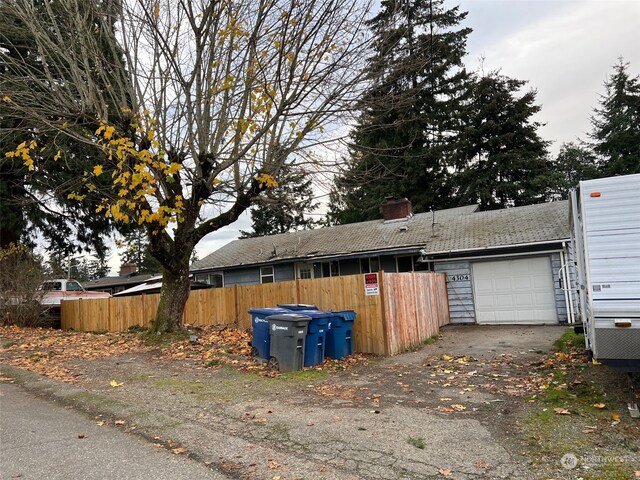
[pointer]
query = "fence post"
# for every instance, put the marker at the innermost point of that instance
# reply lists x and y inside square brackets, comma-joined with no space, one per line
[383,313]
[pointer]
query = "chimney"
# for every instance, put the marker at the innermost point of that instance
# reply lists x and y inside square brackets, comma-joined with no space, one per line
[128,268]
[393,209]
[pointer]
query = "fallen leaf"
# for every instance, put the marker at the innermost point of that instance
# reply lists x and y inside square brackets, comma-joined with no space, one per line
[157,445]
[446,357]
[116,384]
[444,471]
[599,405]
[82,435]
[481,465]
[178,451]
[615,417]
[119,422]
[561,411]
[637,473]
[273,465]
[100,423]
[458,408]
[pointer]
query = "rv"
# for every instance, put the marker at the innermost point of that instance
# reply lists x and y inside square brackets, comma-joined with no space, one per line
[605,227]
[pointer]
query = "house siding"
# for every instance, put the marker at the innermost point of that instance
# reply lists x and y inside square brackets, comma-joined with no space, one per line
[561,304]
[459,289]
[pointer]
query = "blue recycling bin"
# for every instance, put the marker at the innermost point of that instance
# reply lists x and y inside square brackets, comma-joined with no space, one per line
[340,334]
[315,342]
[260,341]
[296,307]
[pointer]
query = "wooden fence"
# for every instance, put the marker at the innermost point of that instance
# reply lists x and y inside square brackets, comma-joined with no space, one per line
[405,310]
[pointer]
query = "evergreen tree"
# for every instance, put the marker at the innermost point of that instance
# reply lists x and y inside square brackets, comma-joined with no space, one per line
[616,124]
[409,113]
[137,251]
[34,200]
[501,160]
[284,208]
[573,164]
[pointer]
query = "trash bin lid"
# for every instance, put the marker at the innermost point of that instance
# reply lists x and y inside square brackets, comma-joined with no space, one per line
[289,317]
[267,311]
[345,314]
[315,313]
[297,306]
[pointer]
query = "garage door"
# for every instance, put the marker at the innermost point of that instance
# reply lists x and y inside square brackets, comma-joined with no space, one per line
[514,291]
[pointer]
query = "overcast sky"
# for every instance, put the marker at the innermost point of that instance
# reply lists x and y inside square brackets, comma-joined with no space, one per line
[564,48]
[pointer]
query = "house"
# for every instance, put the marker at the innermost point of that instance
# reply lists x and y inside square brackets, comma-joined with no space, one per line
[127,278]
[502,266]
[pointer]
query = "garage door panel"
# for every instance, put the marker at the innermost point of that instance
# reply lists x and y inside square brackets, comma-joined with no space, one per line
[514,291]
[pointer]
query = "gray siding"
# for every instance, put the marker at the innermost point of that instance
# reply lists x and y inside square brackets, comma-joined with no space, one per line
[284,272]
[561,304]
[459,289]
[244,276]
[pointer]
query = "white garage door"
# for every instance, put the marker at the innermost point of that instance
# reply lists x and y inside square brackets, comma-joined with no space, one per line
[514,291]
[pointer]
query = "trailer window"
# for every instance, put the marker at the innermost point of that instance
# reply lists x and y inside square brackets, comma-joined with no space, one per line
[73,287]
[52,286]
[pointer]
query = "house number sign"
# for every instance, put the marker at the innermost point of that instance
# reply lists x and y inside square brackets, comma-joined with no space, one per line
[459,278]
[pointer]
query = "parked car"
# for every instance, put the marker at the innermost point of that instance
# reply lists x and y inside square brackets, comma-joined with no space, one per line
[62,289]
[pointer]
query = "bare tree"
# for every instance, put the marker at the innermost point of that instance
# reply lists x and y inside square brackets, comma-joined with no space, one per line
[196,104]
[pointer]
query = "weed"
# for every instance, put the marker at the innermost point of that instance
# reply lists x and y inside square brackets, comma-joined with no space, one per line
[163,339]
[570,341]
[417,442]
[431,340]
[8,344]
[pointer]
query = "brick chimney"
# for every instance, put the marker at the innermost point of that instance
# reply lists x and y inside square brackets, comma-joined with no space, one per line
[127,268]
[393,209]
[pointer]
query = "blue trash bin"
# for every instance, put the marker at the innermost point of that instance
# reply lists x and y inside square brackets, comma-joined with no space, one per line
[340,334]
[315,343]
[260,341]
[295,307]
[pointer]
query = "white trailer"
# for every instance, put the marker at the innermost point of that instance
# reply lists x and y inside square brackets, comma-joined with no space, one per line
[605,225]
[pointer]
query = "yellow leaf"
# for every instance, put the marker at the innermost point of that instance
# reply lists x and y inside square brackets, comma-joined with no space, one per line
[6,99]
[156,10]
[97,170]
[446,357]
[595,362]
[445,472]
[615,417]
[116,384]
[599,405]
[57,156]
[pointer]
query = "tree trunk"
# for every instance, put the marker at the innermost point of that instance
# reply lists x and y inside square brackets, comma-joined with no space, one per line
[173,298]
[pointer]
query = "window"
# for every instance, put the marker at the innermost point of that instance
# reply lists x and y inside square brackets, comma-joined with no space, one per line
[404,264]
[73,287]
[304,270]
[331,269]
[369,265]
[52,286]
[267,275]
[216,280]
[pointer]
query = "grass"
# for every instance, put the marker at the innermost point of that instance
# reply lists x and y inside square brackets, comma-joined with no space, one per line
[431,340]
[163,339]
[570,341]
[417,442]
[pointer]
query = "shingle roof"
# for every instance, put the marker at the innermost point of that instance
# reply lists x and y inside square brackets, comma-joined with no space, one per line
[118,281]
[452,230]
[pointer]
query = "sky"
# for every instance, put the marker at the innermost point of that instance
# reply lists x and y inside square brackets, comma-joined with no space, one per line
[565,49]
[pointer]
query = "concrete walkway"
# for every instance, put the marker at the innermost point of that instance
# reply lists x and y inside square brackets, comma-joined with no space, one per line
[41,440]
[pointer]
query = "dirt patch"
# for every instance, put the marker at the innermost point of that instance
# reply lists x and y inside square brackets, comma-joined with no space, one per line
[477,403]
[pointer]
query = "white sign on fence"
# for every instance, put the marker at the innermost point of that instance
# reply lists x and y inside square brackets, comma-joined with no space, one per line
[371,286]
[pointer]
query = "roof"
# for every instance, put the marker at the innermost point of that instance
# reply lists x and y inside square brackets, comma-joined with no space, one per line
[440,232]
[118,281]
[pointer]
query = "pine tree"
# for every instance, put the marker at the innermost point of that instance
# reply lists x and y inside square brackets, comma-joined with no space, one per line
[573,164]
[616,124]
[501,160]
[409,114]
[34,201]
[284,208]
[137,251]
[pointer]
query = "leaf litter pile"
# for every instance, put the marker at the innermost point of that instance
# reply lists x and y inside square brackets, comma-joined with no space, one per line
[55,353]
